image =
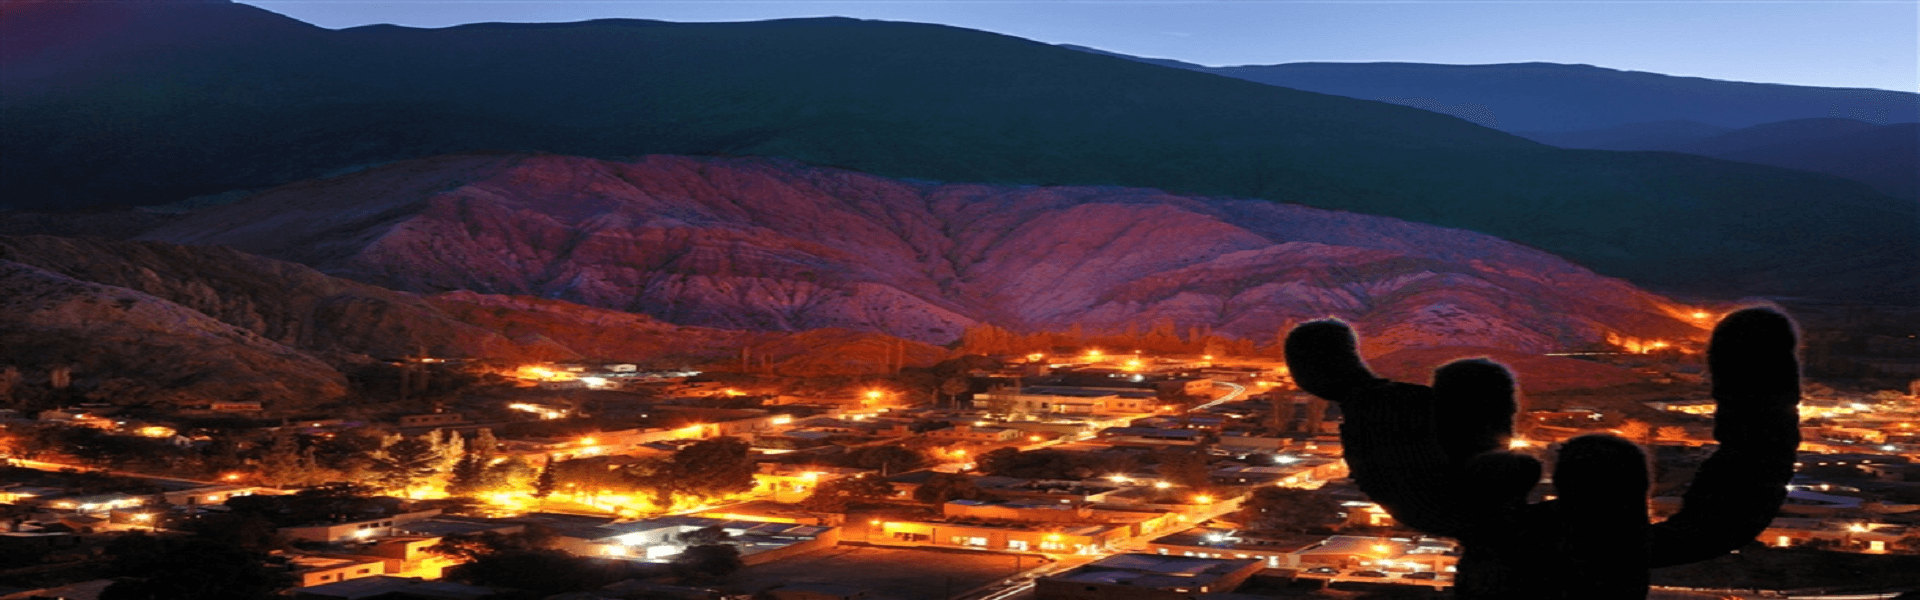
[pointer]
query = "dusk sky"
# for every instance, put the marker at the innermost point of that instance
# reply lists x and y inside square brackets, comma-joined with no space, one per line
[1836,43]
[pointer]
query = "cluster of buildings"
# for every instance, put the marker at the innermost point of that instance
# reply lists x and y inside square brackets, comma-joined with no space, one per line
[1113,502]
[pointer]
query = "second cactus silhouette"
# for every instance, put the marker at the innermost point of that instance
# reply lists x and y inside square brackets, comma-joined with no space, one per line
[1436,458]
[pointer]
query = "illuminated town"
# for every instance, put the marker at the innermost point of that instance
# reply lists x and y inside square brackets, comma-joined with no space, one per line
[959,300]
[1050,474]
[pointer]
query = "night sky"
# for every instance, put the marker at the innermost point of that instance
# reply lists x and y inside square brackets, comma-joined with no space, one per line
[1837,43]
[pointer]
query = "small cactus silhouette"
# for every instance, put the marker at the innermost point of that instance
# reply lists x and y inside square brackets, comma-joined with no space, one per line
[1436,458]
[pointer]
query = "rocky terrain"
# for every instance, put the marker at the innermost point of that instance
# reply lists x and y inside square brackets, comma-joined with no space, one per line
[557,330]
[124,346]
[145,322]
[770,244]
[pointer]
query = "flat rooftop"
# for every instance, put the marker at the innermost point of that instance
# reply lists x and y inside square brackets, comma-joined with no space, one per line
[1155,571]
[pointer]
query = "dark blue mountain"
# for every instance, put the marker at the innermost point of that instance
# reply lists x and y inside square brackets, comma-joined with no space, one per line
[1886,157]
[1552,97]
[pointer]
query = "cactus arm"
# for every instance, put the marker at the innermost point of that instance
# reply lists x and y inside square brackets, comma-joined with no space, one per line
[1475,406]
[1388,433]
[1737,491]
[1602,510]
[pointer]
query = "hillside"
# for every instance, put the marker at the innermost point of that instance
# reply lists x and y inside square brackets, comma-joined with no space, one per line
[154,323]
[1886,157]
[1553,97]
[156,118]
[765,244]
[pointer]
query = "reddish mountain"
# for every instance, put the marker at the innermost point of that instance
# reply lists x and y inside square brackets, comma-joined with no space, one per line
[145,322]
[122,345]
[769,244]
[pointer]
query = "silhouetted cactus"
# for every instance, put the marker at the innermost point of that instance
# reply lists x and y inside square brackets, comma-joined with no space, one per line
[1436,458]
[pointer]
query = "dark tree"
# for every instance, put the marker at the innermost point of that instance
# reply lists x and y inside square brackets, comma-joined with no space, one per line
[544,483]
[244,530]
[889,459]
[704,536]
[468,477]
[1435,458]
[714,467]
[707,562]
[191,568]
[1037,464]
[542,571]
[1288,510]
[468,547]
[837,495]
[942,488]
[1186,469]
[406,462]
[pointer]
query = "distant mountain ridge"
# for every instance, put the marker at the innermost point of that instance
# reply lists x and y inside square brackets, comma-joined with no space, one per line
[256,100]
[1588,107]
[1886,157]
[1554,97]
[771,244]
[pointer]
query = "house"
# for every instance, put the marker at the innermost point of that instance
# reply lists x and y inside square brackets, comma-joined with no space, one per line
[1381,554]
[1277,552]
[1038,400]
[1146,436]
[658,539]
[987,534]
[1147,577]
[970,433]
[432,419]
[311,570]
[209,495]
[363,529]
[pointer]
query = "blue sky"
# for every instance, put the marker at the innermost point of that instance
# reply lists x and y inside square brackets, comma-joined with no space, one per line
[1838,43]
